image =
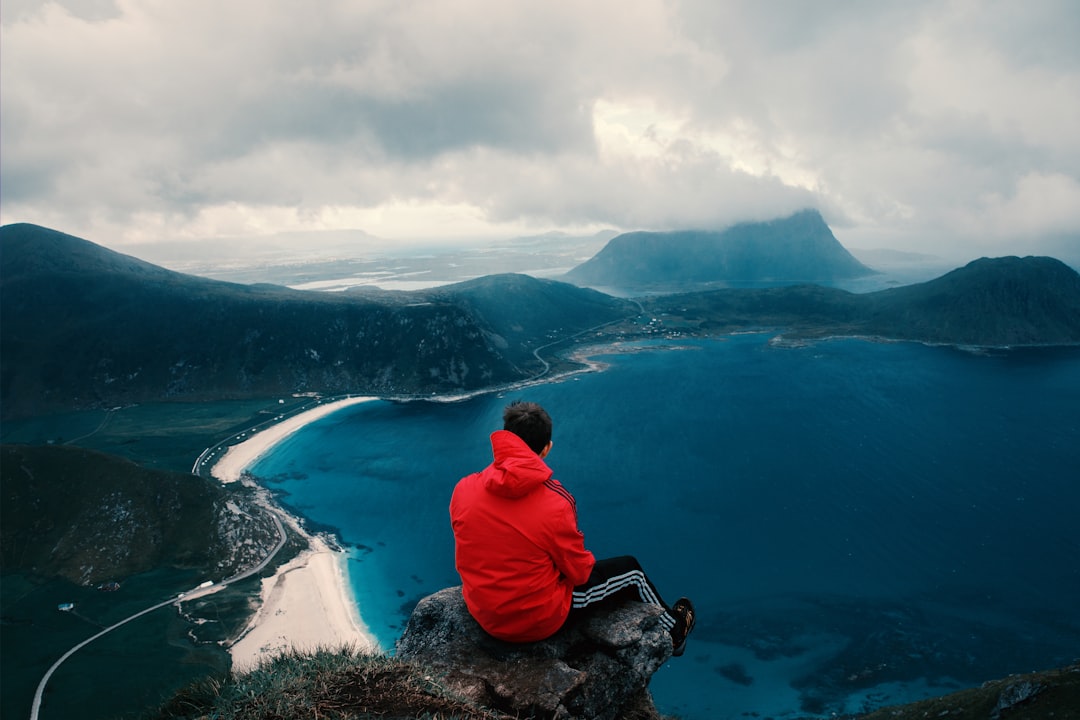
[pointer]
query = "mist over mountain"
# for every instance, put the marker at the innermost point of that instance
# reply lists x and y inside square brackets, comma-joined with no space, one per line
[83,326]
[799,248]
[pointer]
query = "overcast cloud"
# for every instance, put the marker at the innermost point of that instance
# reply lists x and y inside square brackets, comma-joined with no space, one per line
[913,125]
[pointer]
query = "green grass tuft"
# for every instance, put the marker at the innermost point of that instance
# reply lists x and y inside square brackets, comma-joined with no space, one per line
[328,684]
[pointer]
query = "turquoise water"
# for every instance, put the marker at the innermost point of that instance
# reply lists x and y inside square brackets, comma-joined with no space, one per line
[858,523]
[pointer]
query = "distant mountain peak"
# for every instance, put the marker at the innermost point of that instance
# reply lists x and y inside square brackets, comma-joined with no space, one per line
[796,248]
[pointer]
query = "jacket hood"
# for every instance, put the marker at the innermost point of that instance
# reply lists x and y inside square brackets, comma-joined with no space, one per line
[517,470]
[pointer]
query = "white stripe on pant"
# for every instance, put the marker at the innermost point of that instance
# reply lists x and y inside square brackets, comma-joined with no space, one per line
[633,578]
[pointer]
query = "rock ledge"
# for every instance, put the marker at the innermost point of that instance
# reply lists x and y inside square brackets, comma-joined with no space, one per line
[597,669]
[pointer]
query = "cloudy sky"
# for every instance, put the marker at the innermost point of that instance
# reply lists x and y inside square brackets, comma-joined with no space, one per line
[909,124]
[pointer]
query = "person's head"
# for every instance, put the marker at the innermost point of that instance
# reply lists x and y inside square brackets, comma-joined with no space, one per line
[531,423]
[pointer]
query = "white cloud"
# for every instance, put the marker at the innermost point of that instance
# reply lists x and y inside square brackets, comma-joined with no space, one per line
[137,119]
[1039,204]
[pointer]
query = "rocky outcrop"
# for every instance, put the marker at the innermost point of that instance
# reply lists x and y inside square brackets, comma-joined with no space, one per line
[597,668]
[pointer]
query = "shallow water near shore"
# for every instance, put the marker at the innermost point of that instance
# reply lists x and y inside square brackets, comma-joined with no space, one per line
[859,524]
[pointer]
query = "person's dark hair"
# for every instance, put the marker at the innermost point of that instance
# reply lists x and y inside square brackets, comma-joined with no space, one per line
[530,422]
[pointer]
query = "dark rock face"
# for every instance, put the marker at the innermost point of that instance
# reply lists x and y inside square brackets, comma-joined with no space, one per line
[596,669]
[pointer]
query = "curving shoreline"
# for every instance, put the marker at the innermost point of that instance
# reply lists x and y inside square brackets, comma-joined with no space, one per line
[239,457]
[307,603]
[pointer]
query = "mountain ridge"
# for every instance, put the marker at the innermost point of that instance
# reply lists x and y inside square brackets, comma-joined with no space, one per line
[83,326]
[990,302]
[1028,300]
[36,249]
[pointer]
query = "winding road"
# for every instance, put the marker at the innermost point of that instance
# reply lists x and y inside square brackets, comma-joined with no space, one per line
[193,594]
[203,461]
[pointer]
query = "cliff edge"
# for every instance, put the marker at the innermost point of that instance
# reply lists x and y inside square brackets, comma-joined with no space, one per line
[596,669]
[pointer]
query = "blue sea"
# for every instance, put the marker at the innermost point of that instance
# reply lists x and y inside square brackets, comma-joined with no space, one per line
[859,524]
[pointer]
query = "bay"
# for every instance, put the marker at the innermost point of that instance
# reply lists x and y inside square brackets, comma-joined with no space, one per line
[859,524]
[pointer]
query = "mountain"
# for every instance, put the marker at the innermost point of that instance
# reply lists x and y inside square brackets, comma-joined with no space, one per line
[113,538]
[989,302]
[90,518]
[530,312]
[998,301]
[799,248]
[82,326]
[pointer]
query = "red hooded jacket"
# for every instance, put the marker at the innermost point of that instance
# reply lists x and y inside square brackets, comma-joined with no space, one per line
[517,545]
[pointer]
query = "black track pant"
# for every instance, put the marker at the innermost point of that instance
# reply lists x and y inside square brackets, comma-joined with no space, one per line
[618,578]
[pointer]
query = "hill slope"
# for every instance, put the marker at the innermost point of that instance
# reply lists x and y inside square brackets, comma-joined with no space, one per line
[90,517]
[799,248]
[989,302]
[73,519]
[83,326]
[1000,301]
[529,312]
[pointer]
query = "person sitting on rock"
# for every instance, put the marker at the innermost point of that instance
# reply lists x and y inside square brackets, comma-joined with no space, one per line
[522,559]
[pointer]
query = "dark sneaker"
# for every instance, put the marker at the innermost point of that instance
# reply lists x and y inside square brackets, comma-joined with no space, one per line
[684,617]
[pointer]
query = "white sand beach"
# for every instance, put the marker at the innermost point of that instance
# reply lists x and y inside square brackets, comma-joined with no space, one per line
[307,604]
[239,457]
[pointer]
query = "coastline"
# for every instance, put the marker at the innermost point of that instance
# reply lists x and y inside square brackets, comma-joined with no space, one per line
[307,604]
[241,456]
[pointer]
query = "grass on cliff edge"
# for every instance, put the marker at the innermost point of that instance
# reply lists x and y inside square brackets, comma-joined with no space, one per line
[331,684]
[349,685]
